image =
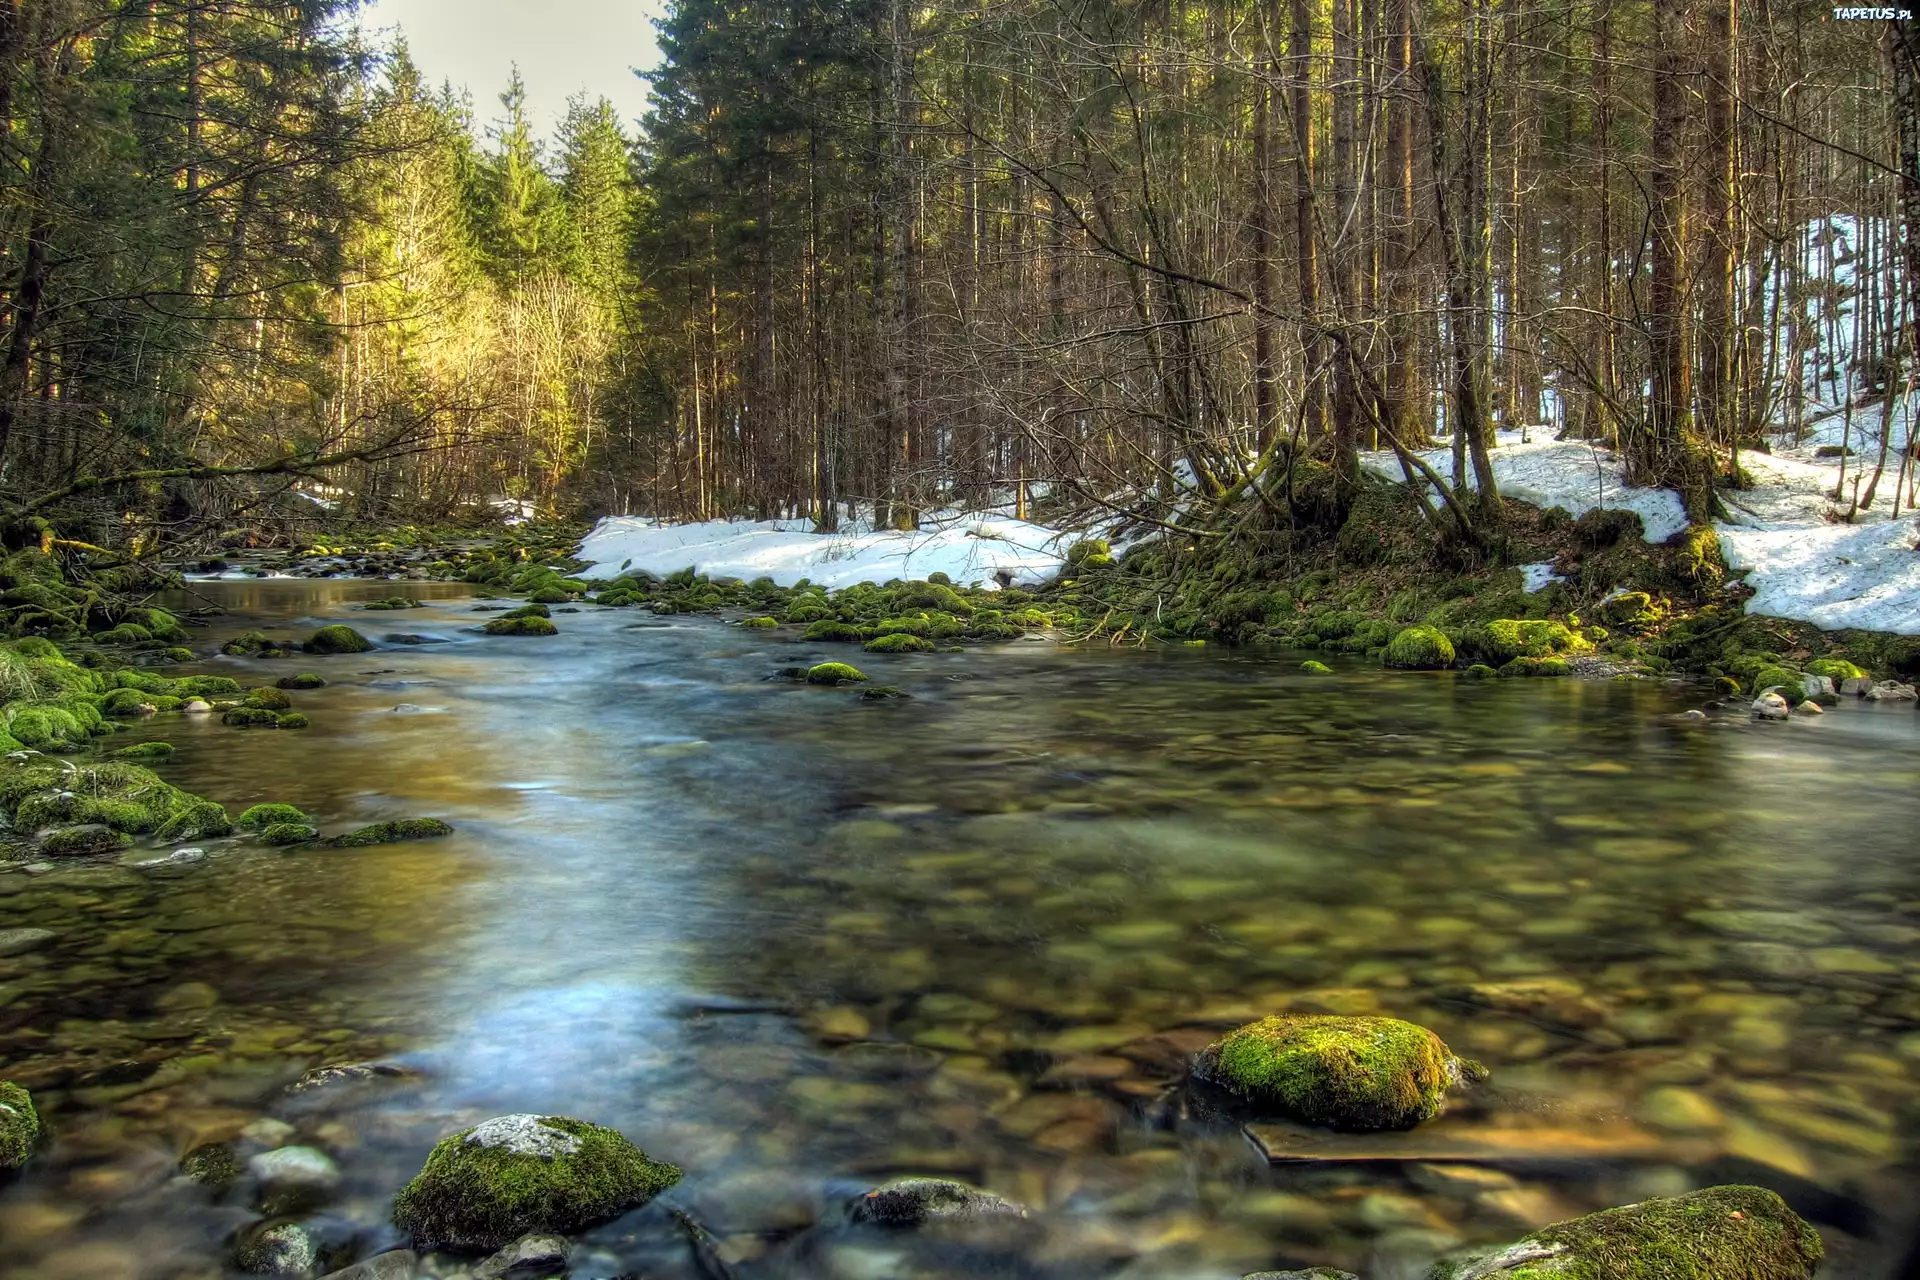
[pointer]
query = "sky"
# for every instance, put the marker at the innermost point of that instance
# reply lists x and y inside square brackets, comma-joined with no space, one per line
[561,46]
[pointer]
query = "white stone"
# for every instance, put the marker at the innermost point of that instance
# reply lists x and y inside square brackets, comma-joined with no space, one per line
[295,1167]
[1770,706]
[196,707]
[1810,708]
[1816,687]
[1856,686]
[524,1135]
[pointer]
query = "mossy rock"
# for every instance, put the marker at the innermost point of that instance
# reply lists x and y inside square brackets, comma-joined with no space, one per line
[1785,679]
[393,832]
[1419,649]
[254,644]
[884,693]
[261,816]
[1509,638]
[835,673]
[1541,667]
[1719,1233]
[304,680]
[79,841]
[196,819]
[338,638]
[1602,527]
[549,595]
[809,609]
[19,1126]
[511,1176]
[269,698]
[759,624]
[285,833]
[530,626]
[1356,1074]
[1631,611]
[1835,669]
[212,1164]
[899,642]
[529,611]
[291,720]
[1312,668]
[1481,671]
[145,751]
[833,629]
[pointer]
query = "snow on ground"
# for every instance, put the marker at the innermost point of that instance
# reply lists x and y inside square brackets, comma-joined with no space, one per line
[1832,575]
[1558,473]
[1800,563]
[967,548]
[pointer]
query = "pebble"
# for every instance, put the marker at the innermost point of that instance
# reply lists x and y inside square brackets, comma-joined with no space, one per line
[1680,1110]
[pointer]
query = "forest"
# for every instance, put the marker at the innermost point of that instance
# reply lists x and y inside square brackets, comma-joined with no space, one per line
[873,259]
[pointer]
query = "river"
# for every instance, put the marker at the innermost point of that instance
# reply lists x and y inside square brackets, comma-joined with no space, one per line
[797,941]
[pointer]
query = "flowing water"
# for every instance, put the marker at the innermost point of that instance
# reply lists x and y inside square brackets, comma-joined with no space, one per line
[798,942]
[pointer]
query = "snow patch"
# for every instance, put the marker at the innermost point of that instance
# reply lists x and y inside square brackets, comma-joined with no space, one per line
[1832,575]
[523,1135]
[1559,473]
[969,549]
[1536,577]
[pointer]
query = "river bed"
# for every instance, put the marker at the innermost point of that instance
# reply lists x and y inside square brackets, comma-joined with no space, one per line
[797,942]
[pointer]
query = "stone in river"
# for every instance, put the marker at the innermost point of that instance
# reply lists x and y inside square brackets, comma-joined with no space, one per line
[912,1202]
[1770,706]
[536,1255]
[19,1126]
[277,1248]
[15,942]
[518,1175]
[395,1264]
[1716,1234]
[1356,1074]
[1680,1110]
[1311,1273]
[293,1178]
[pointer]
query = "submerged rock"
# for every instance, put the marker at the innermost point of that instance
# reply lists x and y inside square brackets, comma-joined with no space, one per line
[395,1264]
[1310,1273]
[15,942]
[294,1178]
[347,1073]
[394,832]
[1353,1073]
[211,1164]
[1715,1234]
[280,1248]
[911,1202]
[19,1126]
[86,838]
[524,1174]
[512,626]
[535,1255]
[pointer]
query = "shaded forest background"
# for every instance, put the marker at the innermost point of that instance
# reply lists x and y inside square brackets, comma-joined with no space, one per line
[867,259]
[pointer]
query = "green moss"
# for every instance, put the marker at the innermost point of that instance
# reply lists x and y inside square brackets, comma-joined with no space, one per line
[1719,1233]
[251,718]
[1313,668]
[146,751]
[284,833]
[205,687]
[1420,649]
[291,720]
[899,642]
[393,832]
[1631,611]
[809,609]
[759,624]
[529,611]
[475,1198]
[337,639]
[1346,1073]
[832,629]
[1785,679]
[254,644]
[177,654]
[1509,638]
[74,841]
[1543,667]
[884,693]
[19,1125]
[268,698]
[261,816]
[529,626]
[549,595]
[1481,671]
[1091,548]
[834,673]
[196,819]
[304,680]
[1835,669]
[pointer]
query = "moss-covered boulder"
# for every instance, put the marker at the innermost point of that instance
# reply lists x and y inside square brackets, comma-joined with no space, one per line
[19,1126]
[304,680]
[759,624]
[286,833]
[80,841]
[914,1202]
[1312,668]
[835,673]
[899,642]
[145,751]
[196,819]
[255,644]
[1358,1073]
[269,698]
[1419,649]
[394,832]
[514,1175]
[528,626]
[1720,1233]
[337,638]
[261,816]
[833,629]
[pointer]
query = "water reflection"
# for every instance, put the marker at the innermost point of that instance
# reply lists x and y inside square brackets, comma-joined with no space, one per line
[796,941]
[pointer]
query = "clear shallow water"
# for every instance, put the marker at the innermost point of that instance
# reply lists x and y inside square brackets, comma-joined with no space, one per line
[797,942]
